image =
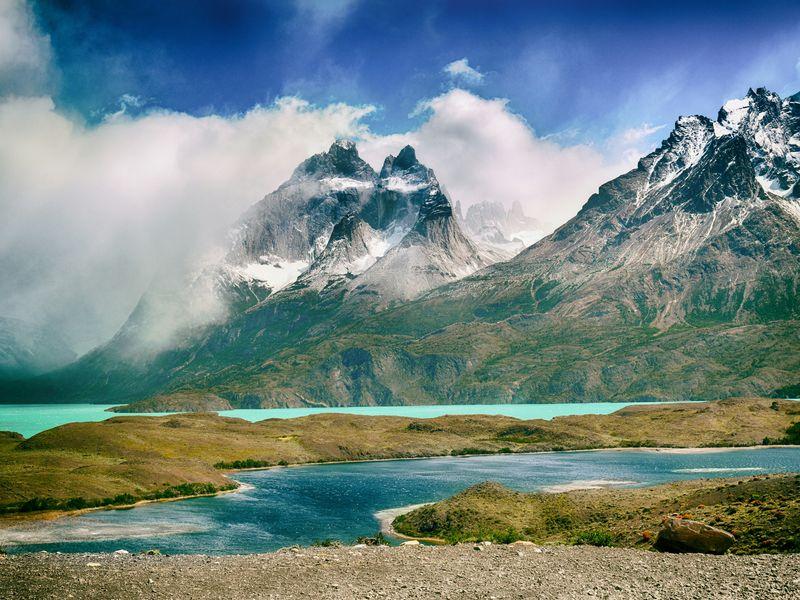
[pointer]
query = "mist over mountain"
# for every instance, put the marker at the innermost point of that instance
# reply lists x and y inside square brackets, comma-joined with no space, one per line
[678,279]
[27,349]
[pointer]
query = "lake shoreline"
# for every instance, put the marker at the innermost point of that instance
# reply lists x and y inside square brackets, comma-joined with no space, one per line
[78,466]
[11,520]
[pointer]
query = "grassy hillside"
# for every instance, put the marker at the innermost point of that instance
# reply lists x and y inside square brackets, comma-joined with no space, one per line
[393,359]
[762,512]
[142,456]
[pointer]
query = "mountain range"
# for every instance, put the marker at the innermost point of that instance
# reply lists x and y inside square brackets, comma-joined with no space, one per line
[676,280]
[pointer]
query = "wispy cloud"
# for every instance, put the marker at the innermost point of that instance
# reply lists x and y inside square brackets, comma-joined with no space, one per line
[482,150]
[25,52]
[319,19]
[460,71]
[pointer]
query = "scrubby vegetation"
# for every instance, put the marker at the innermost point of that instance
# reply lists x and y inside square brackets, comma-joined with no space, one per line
[248,463]
[792,436]
[92,464]
[376,540]
[762,512]
[183,490]
[594,537]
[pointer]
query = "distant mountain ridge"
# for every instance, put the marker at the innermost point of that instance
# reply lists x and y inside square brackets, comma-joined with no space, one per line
[27,349]
[676,280]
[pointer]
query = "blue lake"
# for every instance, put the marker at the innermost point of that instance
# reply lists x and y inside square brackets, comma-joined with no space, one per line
[297,505]
[30,419]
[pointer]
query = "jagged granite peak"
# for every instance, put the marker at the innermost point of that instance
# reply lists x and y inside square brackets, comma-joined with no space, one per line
[723,172]
[434,252]
[681,149]
[405,160]
[435,207]
[402,187]
[352,248]
[341,160]
[771,128]
[291,225]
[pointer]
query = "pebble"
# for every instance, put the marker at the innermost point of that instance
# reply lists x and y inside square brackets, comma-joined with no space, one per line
[455,572]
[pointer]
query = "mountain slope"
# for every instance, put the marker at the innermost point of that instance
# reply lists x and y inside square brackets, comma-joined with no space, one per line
[334,243]
[677,280]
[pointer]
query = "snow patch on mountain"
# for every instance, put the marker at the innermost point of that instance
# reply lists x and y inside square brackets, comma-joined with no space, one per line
[337,184]
[733,112]
[403,185]
[274,271]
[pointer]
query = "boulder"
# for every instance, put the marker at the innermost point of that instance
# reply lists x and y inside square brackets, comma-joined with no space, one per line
[683,535]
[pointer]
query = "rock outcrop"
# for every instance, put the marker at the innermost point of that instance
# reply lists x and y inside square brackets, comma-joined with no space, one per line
[684,535]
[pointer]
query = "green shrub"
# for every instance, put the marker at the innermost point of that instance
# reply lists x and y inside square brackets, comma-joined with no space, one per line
[594,537]
[466,451]
[326,543]
[793,434]
[248,463]
[377,540]
[508,536]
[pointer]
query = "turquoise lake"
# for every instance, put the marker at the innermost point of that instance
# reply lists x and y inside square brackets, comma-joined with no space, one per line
[298,505]
[30,419]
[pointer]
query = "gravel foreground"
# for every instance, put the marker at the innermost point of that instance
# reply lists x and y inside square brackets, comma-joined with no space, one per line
[463,571]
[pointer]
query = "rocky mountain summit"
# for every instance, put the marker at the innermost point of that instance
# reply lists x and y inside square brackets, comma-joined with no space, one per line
[676,280]
[505,229]
[336,218]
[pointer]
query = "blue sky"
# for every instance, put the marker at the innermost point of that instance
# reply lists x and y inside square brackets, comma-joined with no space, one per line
[134,133]
[576,68]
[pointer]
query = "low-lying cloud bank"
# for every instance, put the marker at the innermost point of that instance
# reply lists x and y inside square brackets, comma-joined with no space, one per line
[90,214]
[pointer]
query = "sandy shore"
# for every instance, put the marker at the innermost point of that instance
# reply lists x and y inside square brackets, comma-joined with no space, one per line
[456,572]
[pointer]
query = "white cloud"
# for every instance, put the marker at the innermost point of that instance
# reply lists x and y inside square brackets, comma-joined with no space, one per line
[459,70]
[24,52]
[481,150]
[634,135]
[90,214]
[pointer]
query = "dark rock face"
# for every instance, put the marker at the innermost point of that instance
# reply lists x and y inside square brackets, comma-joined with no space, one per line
[341,159]
[295,219]
[683,535]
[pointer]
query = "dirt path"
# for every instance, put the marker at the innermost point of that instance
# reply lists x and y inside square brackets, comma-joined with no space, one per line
[407,572]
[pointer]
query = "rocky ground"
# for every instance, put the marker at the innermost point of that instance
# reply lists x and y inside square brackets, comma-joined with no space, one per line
[462,571]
